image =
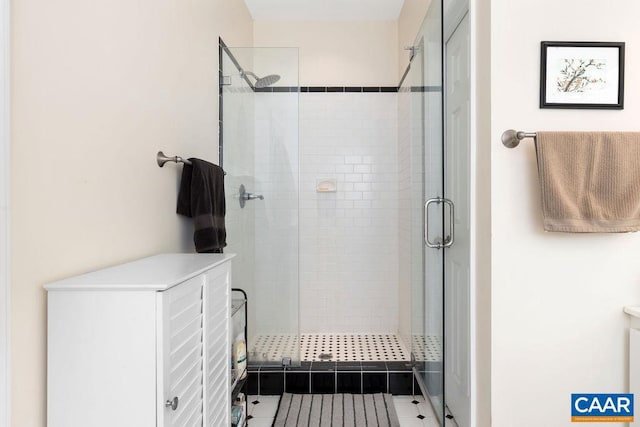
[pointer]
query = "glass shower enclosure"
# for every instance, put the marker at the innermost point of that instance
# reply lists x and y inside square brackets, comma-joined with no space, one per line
[431,225]
[259,153]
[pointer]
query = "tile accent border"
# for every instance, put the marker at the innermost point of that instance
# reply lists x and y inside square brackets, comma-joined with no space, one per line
[349,89]
[334,377]
[346,89]
[329,89]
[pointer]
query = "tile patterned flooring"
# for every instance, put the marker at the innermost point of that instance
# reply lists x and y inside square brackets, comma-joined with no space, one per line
[343,347]
[263,413]
[346,348]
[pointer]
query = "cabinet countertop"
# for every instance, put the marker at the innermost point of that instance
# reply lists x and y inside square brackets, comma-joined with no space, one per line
[633,311]
[154,273]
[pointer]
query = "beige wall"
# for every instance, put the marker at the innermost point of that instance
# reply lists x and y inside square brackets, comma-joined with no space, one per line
[480,20]
[338,53]
[556,299]
[98,88]
[409,22]
[4,212]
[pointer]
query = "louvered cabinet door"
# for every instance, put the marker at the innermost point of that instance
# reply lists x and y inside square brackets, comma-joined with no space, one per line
[180,365]
[218,347]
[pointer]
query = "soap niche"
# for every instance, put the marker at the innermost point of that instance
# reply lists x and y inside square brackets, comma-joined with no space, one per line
[326,185]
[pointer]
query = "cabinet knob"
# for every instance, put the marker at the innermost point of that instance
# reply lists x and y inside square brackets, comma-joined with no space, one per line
[173,404]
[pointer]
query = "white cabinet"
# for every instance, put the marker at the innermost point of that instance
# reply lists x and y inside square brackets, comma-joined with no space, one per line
[142,344]
[634,369]
[218,348]
[634,357]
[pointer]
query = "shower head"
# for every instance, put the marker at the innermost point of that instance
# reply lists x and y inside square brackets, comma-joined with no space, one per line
[267,80]
[262,81]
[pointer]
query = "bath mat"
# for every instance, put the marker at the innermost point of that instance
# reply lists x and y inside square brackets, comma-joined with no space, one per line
[348,410]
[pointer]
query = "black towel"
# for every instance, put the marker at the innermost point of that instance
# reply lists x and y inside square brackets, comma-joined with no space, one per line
[201,197]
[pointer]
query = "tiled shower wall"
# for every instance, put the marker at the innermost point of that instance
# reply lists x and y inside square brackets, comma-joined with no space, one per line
[276,217]
[404,215]
[349,239]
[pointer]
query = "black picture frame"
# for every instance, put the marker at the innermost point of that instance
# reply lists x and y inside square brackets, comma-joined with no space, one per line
[564,74]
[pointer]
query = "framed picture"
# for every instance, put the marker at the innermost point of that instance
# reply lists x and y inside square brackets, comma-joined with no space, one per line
[582,75]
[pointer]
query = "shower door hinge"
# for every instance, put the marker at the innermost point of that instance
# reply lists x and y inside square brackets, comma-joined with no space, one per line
[225,81]
[412,51]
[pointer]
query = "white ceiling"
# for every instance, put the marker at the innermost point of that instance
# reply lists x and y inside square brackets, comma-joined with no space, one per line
[324,10]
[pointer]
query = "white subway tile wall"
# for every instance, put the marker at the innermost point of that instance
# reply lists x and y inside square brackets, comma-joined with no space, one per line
[275,299]
[405,272]
[349,239]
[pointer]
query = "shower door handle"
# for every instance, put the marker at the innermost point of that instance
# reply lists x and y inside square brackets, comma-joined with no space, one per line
[448,241]
[438,243]
[429,243]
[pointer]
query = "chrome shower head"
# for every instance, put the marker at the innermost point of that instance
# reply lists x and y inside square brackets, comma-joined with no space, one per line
[262,82]
[267,80]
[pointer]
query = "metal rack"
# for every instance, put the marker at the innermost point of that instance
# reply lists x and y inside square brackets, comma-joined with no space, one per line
[241,384]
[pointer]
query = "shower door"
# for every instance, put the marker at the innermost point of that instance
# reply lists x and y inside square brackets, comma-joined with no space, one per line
[431,211]
[259,153]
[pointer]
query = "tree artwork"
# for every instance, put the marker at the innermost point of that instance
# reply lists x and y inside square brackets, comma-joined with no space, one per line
[580,75]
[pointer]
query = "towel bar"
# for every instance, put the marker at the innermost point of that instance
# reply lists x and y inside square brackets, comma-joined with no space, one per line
[511,138]
[162,159]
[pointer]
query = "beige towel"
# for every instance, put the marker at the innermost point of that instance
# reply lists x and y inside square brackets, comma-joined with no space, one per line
[590,181]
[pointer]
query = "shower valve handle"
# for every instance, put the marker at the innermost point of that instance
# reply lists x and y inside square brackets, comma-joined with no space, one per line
[251,196]
[244,195]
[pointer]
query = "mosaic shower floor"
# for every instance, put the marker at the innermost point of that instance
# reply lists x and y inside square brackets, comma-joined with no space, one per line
[344,348]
